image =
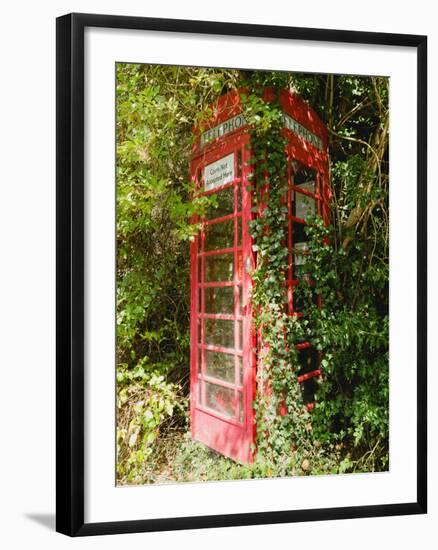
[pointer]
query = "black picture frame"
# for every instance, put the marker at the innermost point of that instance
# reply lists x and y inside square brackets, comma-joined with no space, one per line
[70,273]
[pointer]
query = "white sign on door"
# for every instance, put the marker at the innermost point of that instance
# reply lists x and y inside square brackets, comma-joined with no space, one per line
[219,172]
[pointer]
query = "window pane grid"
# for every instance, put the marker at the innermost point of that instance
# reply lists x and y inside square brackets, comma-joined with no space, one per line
[304,186]
[219,305]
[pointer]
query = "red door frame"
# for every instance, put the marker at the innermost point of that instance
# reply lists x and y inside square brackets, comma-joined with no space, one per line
[232,437]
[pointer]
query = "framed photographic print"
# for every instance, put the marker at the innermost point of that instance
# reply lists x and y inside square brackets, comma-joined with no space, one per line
[241,274]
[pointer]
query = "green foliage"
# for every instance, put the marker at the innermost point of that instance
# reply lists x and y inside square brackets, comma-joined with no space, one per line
[348,430]
[195,462]
[156,108]
[283,442]
[146,406]
[352,331]
[349,264]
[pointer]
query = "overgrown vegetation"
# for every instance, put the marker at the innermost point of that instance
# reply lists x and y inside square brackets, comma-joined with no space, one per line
[348,429]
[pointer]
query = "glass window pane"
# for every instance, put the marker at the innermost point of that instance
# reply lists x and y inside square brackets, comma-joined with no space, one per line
[222,204]
[303,176]
[219,235]
[299,233]
[219,267]
[219,299]
[307,360]
[308,185]
[220,399]
[298,301]
[219,332]
[302,205]
[300,251]
[299,267]
[309,389]
[220,365]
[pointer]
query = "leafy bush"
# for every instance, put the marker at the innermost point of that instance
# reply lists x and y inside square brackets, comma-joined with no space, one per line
[148,408]
[352,331]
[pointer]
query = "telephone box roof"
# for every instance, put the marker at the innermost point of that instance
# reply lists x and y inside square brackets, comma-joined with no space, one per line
[299,116]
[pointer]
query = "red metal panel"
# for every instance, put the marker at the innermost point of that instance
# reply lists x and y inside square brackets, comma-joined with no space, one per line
[222,435]
[231,436]
[249,333]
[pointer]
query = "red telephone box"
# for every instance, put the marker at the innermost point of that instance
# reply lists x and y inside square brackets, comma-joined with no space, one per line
[223,341]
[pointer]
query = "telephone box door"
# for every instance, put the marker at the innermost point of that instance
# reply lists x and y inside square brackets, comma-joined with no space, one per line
[222,361]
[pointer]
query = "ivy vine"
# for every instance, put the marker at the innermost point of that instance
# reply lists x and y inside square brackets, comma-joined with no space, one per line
[350,331]
[283,423]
